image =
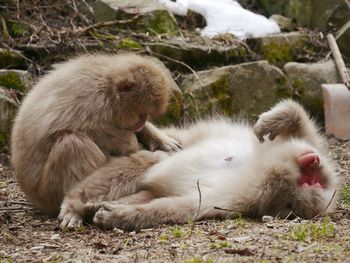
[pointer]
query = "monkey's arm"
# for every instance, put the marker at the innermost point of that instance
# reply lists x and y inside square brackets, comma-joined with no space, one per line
[164,210]
[154,139]
[288,119]
[114,141]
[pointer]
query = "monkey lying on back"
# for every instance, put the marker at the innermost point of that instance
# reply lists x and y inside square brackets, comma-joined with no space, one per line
[85,110]
[234,165]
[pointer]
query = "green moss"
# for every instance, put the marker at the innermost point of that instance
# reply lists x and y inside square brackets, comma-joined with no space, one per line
[17,29]
[221,244]
[12,80]
[174,112]
[278,54]
[177,232]
[161,22]
[4,138]
[345,195]
[221,93]
[198,260]
[9,59]
[127,43]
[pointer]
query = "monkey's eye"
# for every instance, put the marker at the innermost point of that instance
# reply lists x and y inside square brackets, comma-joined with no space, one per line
[126,86]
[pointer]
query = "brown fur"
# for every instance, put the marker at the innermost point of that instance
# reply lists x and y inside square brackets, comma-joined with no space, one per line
[234,170]
[85,110]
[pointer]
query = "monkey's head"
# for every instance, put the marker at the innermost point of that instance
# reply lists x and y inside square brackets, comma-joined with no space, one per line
[300,181]
[141,89]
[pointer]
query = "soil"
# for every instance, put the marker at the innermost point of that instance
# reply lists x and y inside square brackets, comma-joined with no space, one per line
[27,236]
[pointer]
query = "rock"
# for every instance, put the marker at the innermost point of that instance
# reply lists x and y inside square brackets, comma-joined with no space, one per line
[8,106]
[267,219]
[281,48]
[343,40]
[19,80]
[197,54]
[13,83]
[10,59]
[154,17]
[249,88]
[322,14]
[306,80]
[283,22]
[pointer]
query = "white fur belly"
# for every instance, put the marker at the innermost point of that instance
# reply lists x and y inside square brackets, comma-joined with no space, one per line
[208,161]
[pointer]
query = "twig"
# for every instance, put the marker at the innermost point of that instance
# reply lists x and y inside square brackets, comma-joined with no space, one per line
[198,209]
[106,23]
[329,203]
[223,209]
[343,71]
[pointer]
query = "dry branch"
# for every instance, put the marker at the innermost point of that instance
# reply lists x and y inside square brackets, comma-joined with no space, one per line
[343,71]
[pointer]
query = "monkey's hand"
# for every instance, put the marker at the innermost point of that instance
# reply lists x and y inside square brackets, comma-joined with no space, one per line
[112,214]
[155,139]
[70,219]
[282,120]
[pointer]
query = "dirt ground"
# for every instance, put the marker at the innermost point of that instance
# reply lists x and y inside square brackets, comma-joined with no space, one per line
[26,236]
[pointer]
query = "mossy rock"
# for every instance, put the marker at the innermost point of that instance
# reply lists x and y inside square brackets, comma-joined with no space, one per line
[10,59]
[182,54]
[8,108]
[154,18]
[322,14]
[307,79]
[175,112]
[281,48]
[245,89]
[15,79]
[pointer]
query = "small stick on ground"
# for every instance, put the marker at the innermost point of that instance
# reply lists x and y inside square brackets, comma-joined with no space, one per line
[199,208]
[343,71]
[329,203]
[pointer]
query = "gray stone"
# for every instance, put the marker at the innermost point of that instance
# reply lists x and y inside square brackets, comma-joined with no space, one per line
[283,22]
[343,40]
[154,16]
[307,79]
[196,53]
[249,89]
[267,219]
[321,14]
[10,59]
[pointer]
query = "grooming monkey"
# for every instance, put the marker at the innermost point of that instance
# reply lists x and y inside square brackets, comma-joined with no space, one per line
[236,166]
[79,114]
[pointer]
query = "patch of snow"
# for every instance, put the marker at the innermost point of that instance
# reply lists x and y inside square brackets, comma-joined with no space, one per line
[225,16]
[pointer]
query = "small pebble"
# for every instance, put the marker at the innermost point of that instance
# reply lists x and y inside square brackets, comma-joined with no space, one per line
[267,219]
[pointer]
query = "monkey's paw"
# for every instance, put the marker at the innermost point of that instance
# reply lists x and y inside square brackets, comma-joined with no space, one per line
[114,215]
[164,142]
[70,219]
[282,120]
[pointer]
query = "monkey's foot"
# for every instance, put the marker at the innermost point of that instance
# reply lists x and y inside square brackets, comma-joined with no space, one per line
[283,119]
[70,220]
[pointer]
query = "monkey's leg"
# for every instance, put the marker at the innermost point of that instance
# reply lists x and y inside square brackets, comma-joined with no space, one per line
[288,119]
[73,157]
[165,210]
[154,139]
[117,179]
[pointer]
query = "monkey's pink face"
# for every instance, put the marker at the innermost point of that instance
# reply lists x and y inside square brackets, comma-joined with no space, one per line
[310,176]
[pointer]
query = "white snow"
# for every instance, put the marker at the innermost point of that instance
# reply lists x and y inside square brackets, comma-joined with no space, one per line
[225,16]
